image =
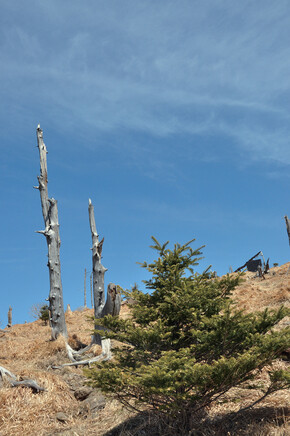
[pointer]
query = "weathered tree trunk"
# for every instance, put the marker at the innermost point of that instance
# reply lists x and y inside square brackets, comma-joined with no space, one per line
[98,270]
[112,307]
[287,226]
[113,302]
[9,316]
[91,288]
[85,290]
[51,232]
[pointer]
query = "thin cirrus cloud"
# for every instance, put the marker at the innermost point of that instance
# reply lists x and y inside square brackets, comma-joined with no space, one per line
[191,68]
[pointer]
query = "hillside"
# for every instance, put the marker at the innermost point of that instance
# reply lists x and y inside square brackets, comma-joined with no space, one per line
[69,407]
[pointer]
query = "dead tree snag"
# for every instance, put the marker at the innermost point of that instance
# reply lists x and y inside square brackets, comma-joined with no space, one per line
[113,302]
[51,233]
[98,271]
[9,316]
[287,226]
[91,289]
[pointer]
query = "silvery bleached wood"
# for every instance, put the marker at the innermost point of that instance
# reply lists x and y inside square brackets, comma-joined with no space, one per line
[91,288]
[51,232]
[104,356]
[112,307]
[113,302]
[29,383]
[101,308]
[98,270]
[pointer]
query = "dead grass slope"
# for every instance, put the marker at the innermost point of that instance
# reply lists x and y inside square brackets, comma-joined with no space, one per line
[64,408]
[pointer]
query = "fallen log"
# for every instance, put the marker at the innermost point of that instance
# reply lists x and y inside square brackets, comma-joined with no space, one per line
[12,379]
[28,383]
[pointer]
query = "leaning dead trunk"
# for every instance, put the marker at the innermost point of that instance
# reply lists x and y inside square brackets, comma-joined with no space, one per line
[287,226]
[98,270]
[51,232]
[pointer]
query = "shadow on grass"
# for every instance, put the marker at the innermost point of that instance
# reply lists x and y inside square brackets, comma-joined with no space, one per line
[261,421]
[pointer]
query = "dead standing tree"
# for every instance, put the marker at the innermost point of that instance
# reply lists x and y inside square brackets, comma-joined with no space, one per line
[91,289]
[51,232]
[98,271]
[287,226]
[102,306]
[9,316]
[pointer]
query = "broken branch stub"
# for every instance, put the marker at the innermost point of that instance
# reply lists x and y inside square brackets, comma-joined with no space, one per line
[51,233]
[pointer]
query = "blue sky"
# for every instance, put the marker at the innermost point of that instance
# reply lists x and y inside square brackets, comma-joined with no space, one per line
[173,117]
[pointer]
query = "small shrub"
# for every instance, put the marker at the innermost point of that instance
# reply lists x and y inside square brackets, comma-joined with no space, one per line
[40,311]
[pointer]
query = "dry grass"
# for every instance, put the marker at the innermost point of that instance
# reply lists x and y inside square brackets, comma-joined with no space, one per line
[256,293]
[27,351]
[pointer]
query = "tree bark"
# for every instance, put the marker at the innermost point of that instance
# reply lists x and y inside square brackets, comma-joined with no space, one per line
[51,232]
[113,302]
[287,226]
[91,288]
[98,270]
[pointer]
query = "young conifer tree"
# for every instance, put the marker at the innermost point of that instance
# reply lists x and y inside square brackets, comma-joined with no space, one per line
[44,313]
[187,343]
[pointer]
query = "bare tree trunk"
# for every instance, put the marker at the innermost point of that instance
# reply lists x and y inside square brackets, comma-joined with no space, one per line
[98,270]
[51,232]
[112,307]
[85,290]
[91,287]
[9,315]
[287,226]
[113,302]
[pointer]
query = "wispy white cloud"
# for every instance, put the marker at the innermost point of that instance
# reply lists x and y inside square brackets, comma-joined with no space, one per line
[188,67]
